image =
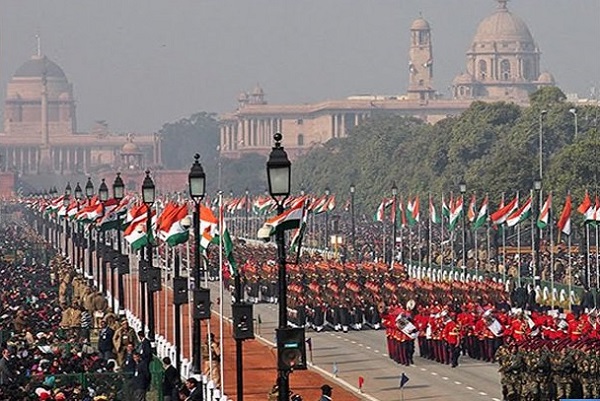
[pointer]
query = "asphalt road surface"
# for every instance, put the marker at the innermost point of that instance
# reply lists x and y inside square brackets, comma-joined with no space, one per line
[364,353]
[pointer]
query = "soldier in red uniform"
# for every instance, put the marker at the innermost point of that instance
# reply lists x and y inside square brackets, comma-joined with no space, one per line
[451,335]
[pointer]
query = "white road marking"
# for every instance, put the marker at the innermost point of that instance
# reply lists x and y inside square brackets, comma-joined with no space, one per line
[470,388]
[360,345]
[496,399]
[482,393]
[368,347]
[377,351]
[444,378]
[423,369]
[457,383]
[353,342]
[434,374]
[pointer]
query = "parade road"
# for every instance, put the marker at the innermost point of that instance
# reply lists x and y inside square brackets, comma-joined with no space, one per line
[364,354]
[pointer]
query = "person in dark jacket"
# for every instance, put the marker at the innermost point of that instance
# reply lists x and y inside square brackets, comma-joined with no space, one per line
[194,390]
[171,381]
[140,382]
[144,348]
[105,341]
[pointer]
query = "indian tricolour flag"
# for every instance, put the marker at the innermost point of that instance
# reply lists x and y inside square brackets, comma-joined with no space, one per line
[433,215]
[471,210]
[519,215]
[209,226]
[482,216]
[500,215]
[587,208]
[176,226]
[287,220]
[135,234]
[380,213]
[455,213]
[445,208]
[545,213]
[412,209]
[564,222]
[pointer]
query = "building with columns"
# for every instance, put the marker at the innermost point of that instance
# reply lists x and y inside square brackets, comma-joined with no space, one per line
[40,130]
[503,63]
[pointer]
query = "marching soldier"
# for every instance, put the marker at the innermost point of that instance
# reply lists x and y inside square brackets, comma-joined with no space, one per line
[563,368]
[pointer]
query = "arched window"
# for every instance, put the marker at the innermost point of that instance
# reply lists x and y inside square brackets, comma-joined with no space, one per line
[482,70]
[527,70]
[505,70]
[423,37]
[300,139]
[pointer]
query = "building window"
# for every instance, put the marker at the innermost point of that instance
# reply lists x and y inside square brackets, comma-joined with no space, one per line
[299,121]
[482,70]
[505,70]
[300,139]
[527,71]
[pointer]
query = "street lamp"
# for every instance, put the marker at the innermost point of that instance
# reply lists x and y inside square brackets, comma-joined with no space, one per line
[279,171]
[197,186]
[78,196]
[352,191]
[66,203]
[148,195]
[541,140]
[246,205]
[119,194]
[574,112]
[89,192]
[462,186]
[537,186]
[327,193]
[395,224]
[101,240]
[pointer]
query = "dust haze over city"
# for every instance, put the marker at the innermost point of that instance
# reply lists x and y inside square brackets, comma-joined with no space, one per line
[139,64]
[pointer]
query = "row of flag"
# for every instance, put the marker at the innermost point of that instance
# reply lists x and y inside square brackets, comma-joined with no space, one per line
[509,214]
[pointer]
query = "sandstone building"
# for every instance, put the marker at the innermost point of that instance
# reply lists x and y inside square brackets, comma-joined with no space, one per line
[503,63]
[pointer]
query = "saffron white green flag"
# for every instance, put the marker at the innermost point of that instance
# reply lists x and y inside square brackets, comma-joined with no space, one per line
[433,216]
[455,213]
[287,220]
[519,215]
[482,216]
[545,213]
[176,226]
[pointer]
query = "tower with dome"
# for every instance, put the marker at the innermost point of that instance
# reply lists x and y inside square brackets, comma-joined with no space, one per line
[503,61]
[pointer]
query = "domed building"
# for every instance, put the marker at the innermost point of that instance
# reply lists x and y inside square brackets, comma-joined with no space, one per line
[40,129]
[503,62]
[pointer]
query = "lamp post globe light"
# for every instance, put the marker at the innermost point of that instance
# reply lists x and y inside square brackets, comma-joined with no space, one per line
[119,194]
[197,189]
[148,197]
[395,223]
[279,170]
[462,187]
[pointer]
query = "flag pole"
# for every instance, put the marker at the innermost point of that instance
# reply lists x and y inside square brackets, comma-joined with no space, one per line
[430,232]
[570,271]
[442,233]
[551,222]
[597,257]
[221,229]
[476,254]
[419,241]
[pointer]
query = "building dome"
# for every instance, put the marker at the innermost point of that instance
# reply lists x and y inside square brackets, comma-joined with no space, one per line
[130,147]
[420,24]
[37,67]
[502,26]
[546,78]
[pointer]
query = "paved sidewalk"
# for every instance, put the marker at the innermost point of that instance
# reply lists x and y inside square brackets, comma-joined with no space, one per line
[260,359]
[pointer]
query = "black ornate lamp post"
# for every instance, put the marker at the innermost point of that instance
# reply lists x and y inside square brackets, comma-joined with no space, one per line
[279,171]
[148,196]
[101,240]
[537,186]
[89,192]
[462,187]
[246,206]
[78,243]
[197,186]
[119,194]
[395,223]
[67,202]
[352,191]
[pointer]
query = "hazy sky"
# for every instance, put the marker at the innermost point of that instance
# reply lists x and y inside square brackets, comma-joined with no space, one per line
[141,63]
